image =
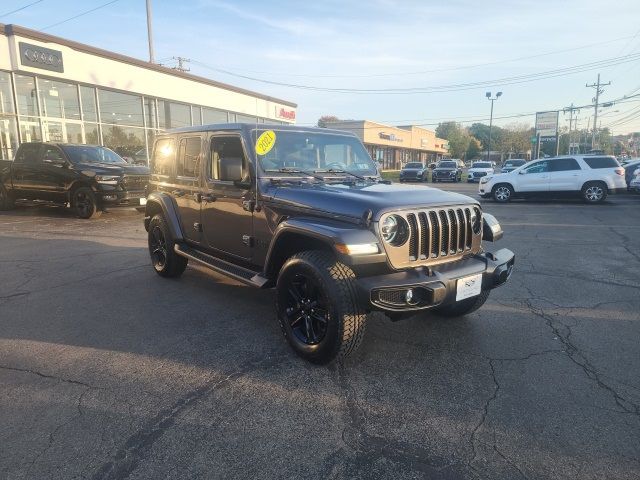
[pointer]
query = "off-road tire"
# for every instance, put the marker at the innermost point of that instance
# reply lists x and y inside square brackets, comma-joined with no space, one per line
[346,318]
[84,203]
[7,201]
[463,307]
[594,192]
[498,194]
[173,265]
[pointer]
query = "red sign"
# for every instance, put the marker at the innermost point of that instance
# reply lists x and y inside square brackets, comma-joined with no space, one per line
[283,113]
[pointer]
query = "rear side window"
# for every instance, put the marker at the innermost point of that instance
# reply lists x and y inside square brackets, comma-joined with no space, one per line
[188,156]
[601,162]
[28,153]
[224,147]
[564,164]
[164,155]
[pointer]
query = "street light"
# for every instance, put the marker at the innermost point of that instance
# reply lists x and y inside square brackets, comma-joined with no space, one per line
[498,95]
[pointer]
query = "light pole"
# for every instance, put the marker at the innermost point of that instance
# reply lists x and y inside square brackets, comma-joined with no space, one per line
[498,95]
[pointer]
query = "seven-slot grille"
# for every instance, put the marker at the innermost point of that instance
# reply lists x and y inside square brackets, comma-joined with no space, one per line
[439,233]
[479,174]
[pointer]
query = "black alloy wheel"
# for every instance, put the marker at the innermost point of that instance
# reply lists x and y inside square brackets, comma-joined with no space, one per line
[306,309]
[166,262]
[85,204]
[158,248]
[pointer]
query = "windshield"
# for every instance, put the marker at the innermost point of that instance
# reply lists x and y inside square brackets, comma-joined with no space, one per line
[514,163]
[482,165]
[91,154]
[315,152]
[447,165]
[413,165]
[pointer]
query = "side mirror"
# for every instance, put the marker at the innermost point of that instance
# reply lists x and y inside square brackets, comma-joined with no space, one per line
[231,169]
[521,172]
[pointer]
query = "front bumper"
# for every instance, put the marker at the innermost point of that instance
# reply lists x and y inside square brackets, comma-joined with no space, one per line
[127,198]
[433,287]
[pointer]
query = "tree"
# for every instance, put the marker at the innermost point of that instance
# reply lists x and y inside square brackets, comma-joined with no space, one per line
[481,132]
[473,150]
[515,139]
[458,138]
[323,120]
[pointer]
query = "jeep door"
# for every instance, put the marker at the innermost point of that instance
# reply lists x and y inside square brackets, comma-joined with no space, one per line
[226,211]
[565,175]
[534,178]
[186,186]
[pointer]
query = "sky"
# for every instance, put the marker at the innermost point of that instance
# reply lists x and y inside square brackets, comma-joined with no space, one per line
[369,59]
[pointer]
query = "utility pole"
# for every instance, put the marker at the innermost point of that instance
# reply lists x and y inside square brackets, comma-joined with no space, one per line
[571,109]
[596,100]
[488,95]
[150,33]
[181,61]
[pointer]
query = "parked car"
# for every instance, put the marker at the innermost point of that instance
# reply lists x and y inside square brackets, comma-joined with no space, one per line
[446,171]
[591,177]
[432,165]
[89,178]
[479,170]
[304,210]
[414,172]
[630,167]
[511,164]
[634,184]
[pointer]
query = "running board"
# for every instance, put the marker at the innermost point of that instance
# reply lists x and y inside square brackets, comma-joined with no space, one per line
[244,275]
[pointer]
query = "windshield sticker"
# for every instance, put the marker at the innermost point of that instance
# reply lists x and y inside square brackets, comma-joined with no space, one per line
[265,142]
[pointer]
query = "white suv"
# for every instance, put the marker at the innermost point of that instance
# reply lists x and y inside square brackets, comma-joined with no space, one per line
[590,176]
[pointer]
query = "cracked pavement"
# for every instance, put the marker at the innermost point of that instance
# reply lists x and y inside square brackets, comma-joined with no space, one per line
[109,372]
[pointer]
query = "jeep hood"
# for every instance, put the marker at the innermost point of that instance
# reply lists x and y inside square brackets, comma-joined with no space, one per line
[354,200]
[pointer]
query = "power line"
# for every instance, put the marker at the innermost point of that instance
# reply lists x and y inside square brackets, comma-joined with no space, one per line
[80,15]
[444,88]
[19,9]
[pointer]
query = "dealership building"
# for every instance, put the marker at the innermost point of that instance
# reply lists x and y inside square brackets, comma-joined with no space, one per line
[392,147]
[58,90]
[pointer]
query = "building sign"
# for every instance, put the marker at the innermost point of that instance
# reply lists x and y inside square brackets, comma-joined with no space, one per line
[40,57]
[547,124]
[424,142]
[389,136]
[282,112]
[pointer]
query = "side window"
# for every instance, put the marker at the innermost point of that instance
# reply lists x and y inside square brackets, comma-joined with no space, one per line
[601,162]
[225,150]
[164,154]
[188,155]
[564,165]
[28,153]
[538,167]
[52,153]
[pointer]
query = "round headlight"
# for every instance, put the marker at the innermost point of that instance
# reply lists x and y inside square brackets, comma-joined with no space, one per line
[394,230]
[476,220]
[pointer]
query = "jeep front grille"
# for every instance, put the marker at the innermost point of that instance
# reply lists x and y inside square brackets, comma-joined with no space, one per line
[436,235]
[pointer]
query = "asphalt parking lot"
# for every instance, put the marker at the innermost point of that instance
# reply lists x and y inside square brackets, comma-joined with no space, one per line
[108,371]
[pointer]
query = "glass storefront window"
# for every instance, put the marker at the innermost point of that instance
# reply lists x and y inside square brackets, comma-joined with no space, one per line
[163,114]
[89,110]
[245,118]
[120,108]
[91,135]
[6,97]
[29,129]
[26,93]
[58,99]
[211,115]
[180,115]
[150,112]
[195,115]
[74,132]
[53,131]
[125,141]
[8,137]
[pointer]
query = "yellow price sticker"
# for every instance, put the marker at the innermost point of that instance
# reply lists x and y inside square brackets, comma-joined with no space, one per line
[265,142]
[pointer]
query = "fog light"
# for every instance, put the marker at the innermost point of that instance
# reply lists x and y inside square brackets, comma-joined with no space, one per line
[409,296]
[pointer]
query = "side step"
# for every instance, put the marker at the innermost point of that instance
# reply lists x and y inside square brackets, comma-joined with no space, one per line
[244,275]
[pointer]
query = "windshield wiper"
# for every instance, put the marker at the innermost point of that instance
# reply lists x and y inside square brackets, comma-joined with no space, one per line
[296,171]
[338,170]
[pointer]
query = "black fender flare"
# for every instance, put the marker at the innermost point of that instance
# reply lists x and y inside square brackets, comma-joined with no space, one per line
[328,233]
[162,202]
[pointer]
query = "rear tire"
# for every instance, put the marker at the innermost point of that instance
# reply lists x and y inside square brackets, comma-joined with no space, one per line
[317,307]
[7,201]
[84,202]
[165,261]
[594,192]
[463,307]
[502,193]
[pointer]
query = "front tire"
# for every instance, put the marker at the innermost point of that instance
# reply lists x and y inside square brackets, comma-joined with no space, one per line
[317,307]
[463,307]
[84,202]
[502,193]
[594,192]
[7,201]
[166,262]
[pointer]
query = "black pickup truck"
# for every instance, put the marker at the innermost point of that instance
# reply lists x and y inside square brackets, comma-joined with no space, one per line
[88,178]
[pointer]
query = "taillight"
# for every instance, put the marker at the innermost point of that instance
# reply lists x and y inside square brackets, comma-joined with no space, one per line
[620,171]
